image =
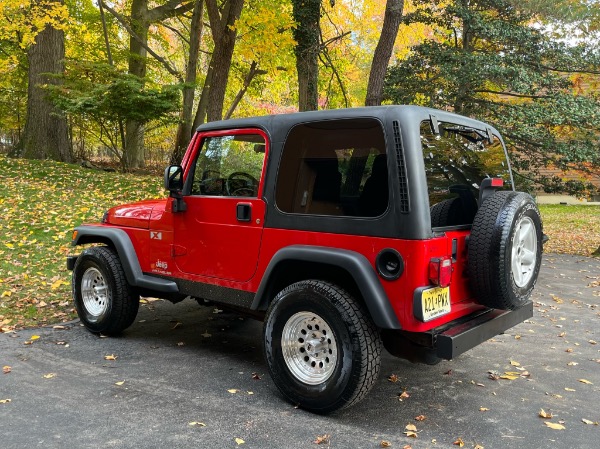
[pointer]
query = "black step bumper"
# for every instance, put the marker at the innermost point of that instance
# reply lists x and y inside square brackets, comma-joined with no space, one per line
[466,335]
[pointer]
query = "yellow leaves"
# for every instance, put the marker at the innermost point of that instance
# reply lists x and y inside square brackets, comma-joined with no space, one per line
[410,431]
[6,294]
[120,383]
[49,376]
[56,284]
[569,389]
[239,441]
[196,424]
[587,421]
[554,426]
[513,363]
[5,401]
[233,390]
[459,442]
[9,245]
[111,357]
[543,414]
[585,381]
[510,375]
[6,369]
[322,439]
[34,337]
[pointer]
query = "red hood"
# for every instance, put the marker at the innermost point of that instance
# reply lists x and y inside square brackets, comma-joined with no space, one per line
[134,215]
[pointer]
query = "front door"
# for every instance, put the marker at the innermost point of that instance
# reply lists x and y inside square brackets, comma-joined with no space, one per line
[219,234]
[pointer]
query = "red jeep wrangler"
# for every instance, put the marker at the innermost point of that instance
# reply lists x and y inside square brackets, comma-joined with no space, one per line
[343,229]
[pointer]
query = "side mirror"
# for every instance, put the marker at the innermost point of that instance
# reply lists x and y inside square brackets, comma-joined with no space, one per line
[174,178]
[174,184]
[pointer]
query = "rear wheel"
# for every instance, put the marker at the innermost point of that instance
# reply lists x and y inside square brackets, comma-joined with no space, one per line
[104,300]
[322,348]
[505,250]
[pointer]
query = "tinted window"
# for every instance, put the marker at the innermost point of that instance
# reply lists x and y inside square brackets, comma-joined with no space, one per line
[229,166]
[338,167]
[456,161]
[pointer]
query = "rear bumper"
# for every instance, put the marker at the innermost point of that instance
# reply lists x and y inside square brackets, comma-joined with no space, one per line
[468,334]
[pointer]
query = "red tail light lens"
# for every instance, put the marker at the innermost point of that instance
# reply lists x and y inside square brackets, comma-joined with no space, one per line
[440,271]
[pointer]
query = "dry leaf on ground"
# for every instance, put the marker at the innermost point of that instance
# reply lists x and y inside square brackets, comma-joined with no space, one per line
[555,426]
[322,439]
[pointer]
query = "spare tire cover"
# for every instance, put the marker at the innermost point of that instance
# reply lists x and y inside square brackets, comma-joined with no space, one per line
[505,250]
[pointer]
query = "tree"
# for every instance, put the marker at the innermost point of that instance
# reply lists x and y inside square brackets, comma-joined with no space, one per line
[137,25]
[488,61]
[307,15]
[383,51]
[102,98]
[36,28]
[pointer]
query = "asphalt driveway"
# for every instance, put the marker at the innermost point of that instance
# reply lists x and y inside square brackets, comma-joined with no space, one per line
[185,376]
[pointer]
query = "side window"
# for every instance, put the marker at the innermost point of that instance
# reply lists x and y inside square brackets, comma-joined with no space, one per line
[337,167]
[456,161]
[229,166]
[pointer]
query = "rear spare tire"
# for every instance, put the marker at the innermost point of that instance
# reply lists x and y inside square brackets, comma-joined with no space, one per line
[505,250]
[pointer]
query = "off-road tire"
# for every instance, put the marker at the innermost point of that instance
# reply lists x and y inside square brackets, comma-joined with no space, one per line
[356,346]
[111,307]
[505,250]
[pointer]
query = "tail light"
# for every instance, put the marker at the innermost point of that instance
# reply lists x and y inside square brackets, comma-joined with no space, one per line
[440,271]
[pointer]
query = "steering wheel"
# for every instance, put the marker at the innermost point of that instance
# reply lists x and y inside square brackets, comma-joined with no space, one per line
[241,184]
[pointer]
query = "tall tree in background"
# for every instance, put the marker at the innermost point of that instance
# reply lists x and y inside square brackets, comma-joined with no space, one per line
[46,134]
[383,51]
[307,14]
[488,61]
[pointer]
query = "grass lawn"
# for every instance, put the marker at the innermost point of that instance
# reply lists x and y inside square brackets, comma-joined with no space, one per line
[42,201]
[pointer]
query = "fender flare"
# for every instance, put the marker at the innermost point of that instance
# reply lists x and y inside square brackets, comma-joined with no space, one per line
[118,239]
[352,262]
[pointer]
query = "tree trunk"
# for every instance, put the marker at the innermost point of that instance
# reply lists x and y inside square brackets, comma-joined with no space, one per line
[307,15]
[185,129]
[383,51]
[221,59]
[134,131]
[46,133]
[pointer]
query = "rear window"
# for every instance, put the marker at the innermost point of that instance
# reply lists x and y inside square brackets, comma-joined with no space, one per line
[456,161]
[335,167]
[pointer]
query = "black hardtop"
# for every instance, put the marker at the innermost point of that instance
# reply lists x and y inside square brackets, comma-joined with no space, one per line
[278,125]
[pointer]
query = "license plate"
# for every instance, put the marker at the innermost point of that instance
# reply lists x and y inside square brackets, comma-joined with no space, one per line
[435,302]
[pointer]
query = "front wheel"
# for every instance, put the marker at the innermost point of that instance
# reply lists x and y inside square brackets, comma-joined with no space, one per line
[322,348]
[105,302]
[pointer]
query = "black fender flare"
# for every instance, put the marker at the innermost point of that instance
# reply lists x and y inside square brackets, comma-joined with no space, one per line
[118,239]
[352,262]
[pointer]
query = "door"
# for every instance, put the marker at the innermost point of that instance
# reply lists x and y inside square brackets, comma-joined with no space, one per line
[219,235]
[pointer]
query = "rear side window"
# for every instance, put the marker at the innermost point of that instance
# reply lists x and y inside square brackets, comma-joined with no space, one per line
[336,167]
[456,161]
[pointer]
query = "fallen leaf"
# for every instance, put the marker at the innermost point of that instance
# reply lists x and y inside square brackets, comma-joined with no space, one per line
[255,376]
[410,431]
[478,446]
[393,378]
[59,327]
[569,389]
[569,350]
[239,441]
[420,418]
[34,337]
[6,369]
[544,414]
[555,426]
[407,446]
[513,363]
[5,401]
[322,439]
[121,382]
[385,443]
[585,381]
[403,395]
[593,342]
[49,375]
[483,409]
[110,357]
[587,421]
[196,424]
[250,392]
[459,442]
[233,391]
[572,364]
[507,376]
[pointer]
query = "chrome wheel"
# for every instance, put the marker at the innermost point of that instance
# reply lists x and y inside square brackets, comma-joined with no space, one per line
[309,348]
[524,251]
[94,292]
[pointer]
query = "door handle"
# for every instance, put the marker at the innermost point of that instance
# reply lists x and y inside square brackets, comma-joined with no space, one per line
[243,212]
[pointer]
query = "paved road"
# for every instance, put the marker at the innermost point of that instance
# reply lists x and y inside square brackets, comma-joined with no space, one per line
[175,374]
